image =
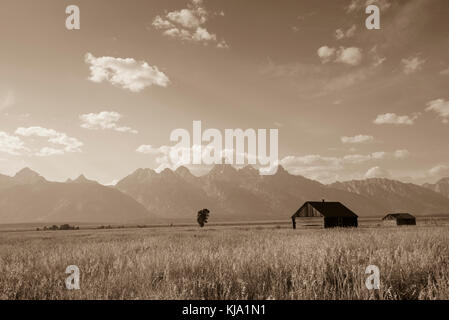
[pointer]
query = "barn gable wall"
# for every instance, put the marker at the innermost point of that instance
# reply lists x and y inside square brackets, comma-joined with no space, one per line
[308,211]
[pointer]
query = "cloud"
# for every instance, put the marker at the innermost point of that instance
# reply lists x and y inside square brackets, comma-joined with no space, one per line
[188,25]
[7,100]
[329,169]
[357,139]
[356,5]
[351,56]
[378,59]
[125,73]
[377,172]
[105,120]
[341,34]
[440,171]
[412,64]
[393,118]
[173,157]
[444,72]
[401,154]
[148,149]
[68,144]
[11,144]
[47,152]
[325,53]
[441,107]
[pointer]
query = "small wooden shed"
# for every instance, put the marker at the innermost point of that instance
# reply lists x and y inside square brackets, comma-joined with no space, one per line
[332,214]
[399,219]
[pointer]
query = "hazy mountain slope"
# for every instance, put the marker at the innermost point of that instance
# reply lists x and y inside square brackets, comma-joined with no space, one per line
[442,186]
[234,194]
[398,196]
[24,176]
[6,182]
[168,194]
[84,201]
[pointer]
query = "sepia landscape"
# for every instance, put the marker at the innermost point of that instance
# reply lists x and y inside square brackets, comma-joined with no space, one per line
[140,240]
[224,150]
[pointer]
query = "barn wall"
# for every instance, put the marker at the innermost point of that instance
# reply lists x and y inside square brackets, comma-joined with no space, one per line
[331,222]
[307,222]
[389,222]
[309,211]
[406,222]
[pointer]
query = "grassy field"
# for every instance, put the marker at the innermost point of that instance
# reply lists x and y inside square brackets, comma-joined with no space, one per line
[227,262]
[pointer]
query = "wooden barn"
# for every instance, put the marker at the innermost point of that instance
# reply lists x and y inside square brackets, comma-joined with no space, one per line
[399,219]
[328,214]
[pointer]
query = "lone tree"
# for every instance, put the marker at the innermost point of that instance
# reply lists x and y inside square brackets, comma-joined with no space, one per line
[202,217]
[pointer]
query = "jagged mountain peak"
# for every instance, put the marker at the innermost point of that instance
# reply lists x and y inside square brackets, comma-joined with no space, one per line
[184,172]
[26,176]
[249,170]
[441,186]
[81,179]
[222,169]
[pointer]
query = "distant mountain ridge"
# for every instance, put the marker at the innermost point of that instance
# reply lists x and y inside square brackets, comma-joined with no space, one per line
[398,196]
[231,194]
[28,197]
[441,186]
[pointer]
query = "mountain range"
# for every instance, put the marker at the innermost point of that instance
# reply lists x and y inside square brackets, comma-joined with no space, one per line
[28,197]
[441,186]
[231,194]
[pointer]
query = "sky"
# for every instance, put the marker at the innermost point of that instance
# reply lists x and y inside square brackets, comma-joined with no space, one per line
[348,102]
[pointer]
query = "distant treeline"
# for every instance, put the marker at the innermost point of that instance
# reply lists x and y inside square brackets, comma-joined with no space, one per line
[61,227]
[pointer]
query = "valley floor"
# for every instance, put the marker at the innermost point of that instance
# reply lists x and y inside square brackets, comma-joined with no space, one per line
[228,262]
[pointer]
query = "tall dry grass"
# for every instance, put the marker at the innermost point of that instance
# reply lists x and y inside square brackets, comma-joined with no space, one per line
[257,263]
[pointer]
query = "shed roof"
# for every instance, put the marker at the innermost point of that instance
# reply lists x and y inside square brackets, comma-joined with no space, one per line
[330,209]
[399,216]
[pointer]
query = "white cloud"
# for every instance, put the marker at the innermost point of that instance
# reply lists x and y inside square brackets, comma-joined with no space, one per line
[11,144]
[329,169]
[351,56]
[378,59]
[148,149]
[444,72]
[379,155]
[47,152]
[440,171]
[357,139]
[412,64]
[173,157]
[7,100]
[125,73]
[103,121]
[325,53]
[355,5]
[188,18]
[188,25]
[377,172]
[341,34]
[393,118]
[401,154]
[441,107]
[69,144]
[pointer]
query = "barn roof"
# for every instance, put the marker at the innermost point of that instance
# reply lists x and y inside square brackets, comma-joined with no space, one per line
[399,216]
[330,209]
